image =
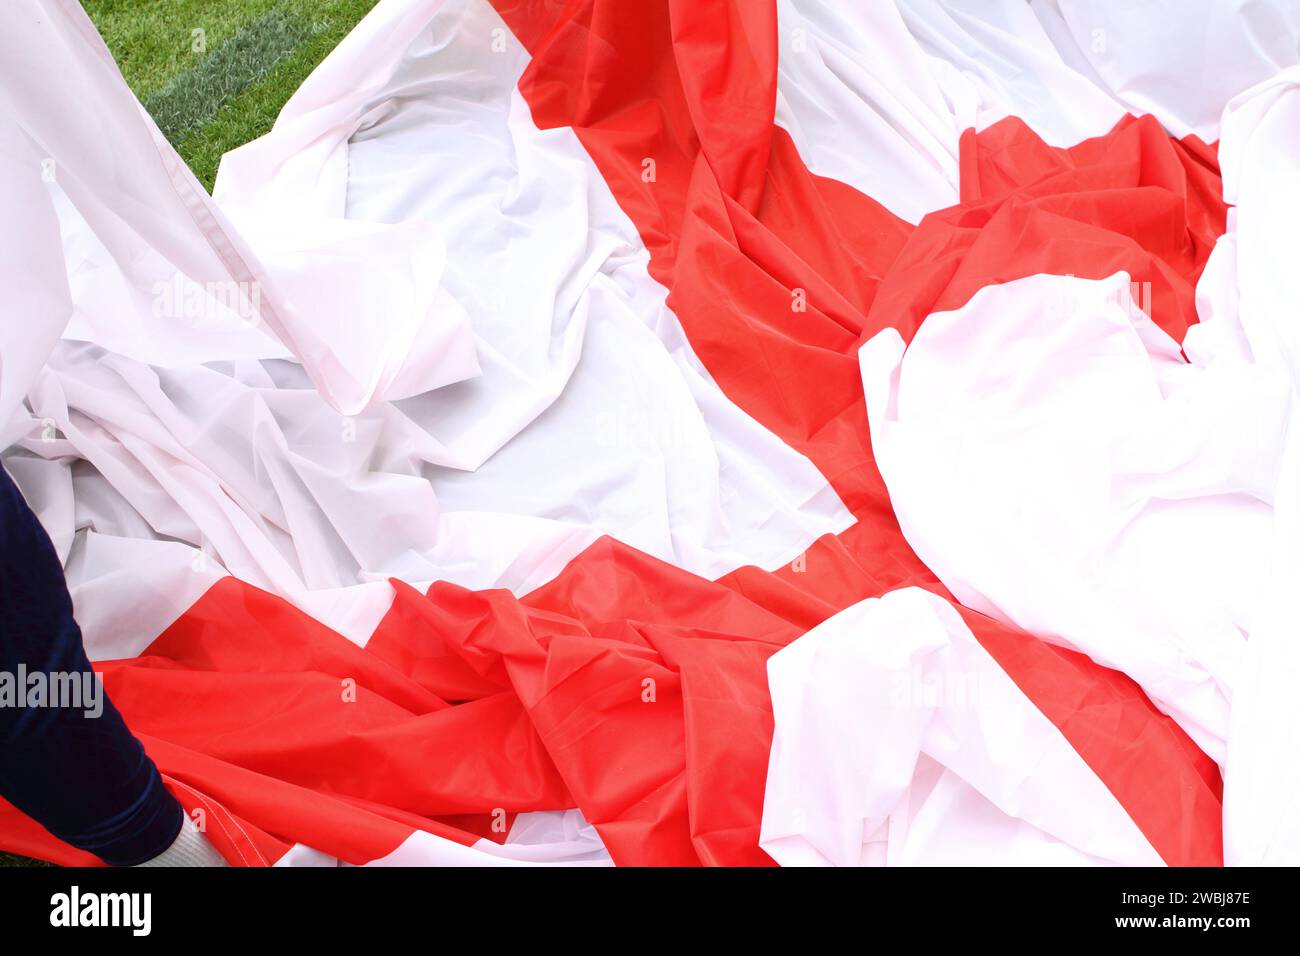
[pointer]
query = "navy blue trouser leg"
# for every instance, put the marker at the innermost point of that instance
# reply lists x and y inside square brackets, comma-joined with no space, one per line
[81,774]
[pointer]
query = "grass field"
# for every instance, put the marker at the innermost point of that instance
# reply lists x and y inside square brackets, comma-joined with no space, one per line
[214,73]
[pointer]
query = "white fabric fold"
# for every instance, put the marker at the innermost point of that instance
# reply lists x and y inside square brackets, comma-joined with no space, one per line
[878,95]
[899,741]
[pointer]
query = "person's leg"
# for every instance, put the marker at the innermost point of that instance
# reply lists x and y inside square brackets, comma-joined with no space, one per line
[77,770]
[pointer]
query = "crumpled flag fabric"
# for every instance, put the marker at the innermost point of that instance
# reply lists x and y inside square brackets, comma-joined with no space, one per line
[565,516]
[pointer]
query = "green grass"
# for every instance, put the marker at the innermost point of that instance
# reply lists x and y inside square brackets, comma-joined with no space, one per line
[212,91]
[193,97]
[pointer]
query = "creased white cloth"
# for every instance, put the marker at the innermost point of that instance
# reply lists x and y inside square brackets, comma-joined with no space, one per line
[1060,465]
[878,95]
[899,741]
